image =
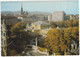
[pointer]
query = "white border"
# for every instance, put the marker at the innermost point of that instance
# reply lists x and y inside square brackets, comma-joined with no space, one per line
[39,0]
[0,29]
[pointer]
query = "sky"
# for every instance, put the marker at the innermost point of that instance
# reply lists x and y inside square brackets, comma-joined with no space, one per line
[69,7]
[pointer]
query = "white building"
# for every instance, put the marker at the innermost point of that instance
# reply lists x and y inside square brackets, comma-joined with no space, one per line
[50,17]
[58,16]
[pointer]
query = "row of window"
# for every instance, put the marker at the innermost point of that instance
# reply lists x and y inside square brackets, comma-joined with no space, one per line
[3,41]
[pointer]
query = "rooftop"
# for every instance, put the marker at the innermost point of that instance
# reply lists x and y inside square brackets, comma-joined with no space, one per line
[40,23]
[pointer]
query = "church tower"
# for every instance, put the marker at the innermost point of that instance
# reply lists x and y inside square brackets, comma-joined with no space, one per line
[22,9]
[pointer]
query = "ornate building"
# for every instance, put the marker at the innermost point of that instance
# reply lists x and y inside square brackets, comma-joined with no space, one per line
[22,10]
[3,38]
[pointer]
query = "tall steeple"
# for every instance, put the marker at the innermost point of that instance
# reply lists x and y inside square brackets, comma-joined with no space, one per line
[21,9]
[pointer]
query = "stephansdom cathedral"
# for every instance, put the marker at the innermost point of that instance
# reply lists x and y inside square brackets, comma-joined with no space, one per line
[23,12]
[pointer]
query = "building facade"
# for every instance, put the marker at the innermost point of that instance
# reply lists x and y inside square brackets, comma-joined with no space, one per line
[40,25]
[58,16]
[50,17]
[10,20]
[3,38]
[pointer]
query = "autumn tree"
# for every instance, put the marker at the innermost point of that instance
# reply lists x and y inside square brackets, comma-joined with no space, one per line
[75,34]
[58,40]
[75,23]
[66,23]
[63,42]
[52,40]
[20,37]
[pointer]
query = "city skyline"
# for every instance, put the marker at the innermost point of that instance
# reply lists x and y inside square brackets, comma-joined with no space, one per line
[70,7]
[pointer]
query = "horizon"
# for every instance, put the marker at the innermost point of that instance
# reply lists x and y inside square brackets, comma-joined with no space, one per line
[70,7]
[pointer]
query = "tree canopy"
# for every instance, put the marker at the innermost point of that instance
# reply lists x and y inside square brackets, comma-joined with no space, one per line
[58,40]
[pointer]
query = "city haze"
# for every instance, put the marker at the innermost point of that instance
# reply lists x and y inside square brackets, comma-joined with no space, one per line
[70,7]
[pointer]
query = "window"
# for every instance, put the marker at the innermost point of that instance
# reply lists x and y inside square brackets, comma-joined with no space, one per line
[4,34]
[4,42]
[73,46]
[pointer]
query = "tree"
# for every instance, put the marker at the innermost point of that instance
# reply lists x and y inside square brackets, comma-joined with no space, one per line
[67,35]
[75,22]
[58,40]
[52,40]
[75,34]
[63,45]
[16,29]
[20,37]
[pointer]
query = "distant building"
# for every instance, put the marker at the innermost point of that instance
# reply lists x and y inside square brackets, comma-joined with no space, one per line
[67,17]
[23,12]
[10,19]
[71,17]
[3,38]
[77,16]
[50,17]
[58,16]
[74,17]
[40,25]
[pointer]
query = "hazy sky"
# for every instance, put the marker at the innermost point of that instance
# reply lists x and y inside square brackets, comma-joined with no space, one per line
[70,7]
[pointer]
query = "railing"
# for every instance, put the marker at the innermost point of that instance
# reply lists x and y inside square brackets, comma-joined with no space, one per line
[37,50]
[43,52]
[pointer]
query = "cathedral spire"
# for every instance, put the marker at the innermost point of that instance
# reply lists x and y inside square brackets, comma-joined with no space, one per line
[21,9]
[21,5]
